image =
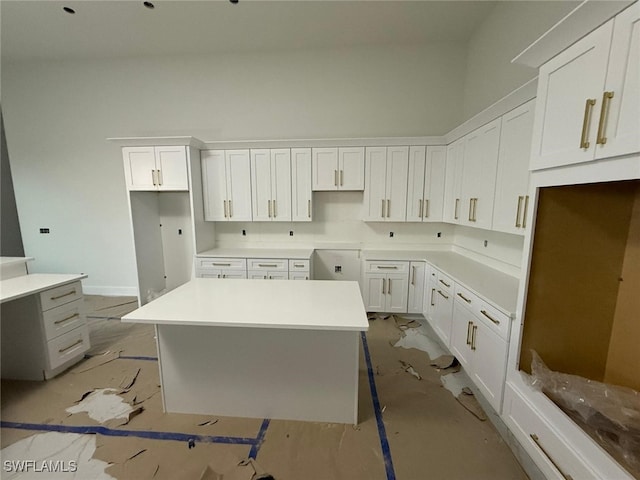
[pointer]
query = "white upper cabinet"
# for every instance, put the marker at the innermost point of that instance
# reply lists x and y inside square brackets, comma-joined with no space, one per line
[271,184]
[385,193]
[479,175]
[425,195]
[589,97]
[156,168]
[512,180]
[338,168]
[226,182]
[453,181]
[301,198]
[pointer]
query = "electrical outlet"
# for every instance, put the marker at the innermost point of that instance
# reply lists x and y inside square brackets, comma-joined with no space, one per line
[44,230]
[291,233]
[439,234]
[486,242]
[179,231]
[338,269]
[391,234]
[244,233]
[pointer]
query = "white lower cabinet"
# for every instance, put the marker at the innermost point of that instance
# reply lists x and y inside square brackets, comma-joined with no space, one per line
[386,286]
[254,268]
[232,268]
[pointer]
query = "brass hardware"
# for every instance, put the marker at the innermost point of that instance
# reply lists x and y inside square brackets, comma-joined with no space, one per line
[440,292]
[470,204]
[72,292]
[413,275]
[469,324]
[335,178]
[419,208]
[389,286]
[433,291]
[536,440]
[230,209]
[588,106]
[518,224]
[382,208]
[524,214]
[388,208]
[475,206]
[601,139]
[224,275]
[159,177]
[341,177]
[394,267]
[383,280]
[58,322]
[275,209]
[218,275]
[153,177]
[221,264]
[273,265]
[444,283]
[225,209]
[455,211]
[474,329]
[269,207]
[298,265]
[426,208]
[62,350]
[483,312]
[464,298]
[309,208]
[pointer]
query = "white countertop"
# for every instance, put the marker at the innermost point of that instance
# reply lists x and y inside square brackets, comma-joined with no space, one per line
[301,253]
[24,285]
[497,288]
[310,305]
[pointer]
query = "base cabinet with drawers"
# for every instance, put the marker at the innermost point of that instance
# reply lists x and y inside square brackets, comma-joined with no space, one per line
[386,286]
[283,268]
[441,296]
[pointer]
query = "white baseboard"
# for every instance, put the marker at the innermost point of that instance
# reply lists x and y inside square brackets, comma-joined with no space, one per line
[108,291]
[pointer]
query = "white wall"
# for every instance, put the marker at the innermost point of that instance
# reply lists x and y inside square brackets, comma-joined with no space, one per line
[69,179]
[509,29]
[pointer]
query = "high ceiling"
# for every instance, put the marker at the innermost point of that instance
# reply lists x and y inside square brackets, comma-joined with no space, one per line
[100,29]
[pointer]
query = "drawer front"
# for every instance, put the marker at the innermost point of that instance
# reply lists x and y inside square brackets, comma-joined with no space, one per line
[298,275]
[386,267]
[217,273]
[495,319]
[57,296]
[545,446]
[465,298]
[222,263]
[68,346]
[298,265]
[445,282]
[268,264]
[268,275]
[63,319]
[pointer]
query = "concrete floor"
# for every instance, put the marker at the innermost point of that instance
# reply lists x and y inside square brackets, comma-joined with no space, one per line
[412,428]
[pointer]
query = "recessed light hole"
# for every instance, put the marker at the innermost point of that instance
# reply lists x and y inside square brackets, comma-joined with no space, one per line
[69,10]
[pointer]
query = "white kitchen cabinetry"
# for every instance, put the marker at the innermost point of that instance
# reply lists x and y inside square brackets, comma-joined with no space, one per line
[226,184]
[512,181]
[431,278]
[590,97]
[299,269]
[442,309]
[271,184]
[453,182]
[385,193]
[268,268]
[301,198]
[233,268]
[386,286]
[426,180]
[479,175]
[417,278]
[238,263]
[155,168]
[338,168]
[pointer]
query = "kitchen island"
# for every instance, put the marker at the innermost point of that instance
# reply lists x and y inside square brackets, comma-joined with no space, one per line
[259,349]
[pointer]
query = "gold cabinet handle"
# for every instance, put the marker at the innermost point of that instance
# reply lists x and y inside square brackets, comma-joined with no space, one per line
[524,213]
[470,207]
[268,265]
[159,177]
[309,208]
[225,209]
[224,275]
[153,177]
[335,178]
[298,265]
[588,106]
[341,177]
[58,322]
[269,207]
[220,264]
[440,292]
[474,329]
[484,312]
[62,350]
[57,297]
[444,283]
[426,208]
[475,209]
[230,209]
[382,213]
[419,208]
[387,267]
[383,280]
[520,199]
[469,325]
[389,286]
[601,139]
[388,208]
[536,440]
[413,275]
[455,211]
[433,291]
[464,298]
[275,209]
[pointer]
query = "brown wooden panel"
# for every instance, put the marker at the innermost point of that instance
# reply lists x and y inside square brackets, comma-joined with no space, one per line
[579,245]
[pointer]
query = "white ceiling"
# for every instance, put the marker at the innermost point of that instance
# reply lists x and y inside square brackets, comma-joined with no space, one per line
[98,29]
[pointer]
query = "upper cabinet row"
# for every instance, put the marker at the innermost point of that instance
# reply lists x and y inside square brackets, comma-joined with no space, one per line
[591,97]
[155,168]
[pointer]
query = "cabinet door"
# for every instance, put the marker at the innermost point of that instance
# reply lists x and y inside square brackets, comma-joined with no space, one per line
[261,198]
[442,314]
[281,184]
[374,296]
[453,181]
[565,84]
[301,198]
[396,184]
[621,120]
[415,184]
[397,293]
[239,185]
[461,329]
[278,275]
[234,275]
[139,168]
[489,363]
[416,287]
[214,184]
[351,168]
[434,184]
[298,275]
[257,275]
[375,200]
[512,179]
[171,163]
[324,163]
[430,299]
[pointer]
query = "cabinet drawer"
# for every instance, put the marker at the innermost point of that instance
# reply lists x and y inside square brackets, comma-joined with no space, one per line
[298,275]
[298,265]
[63,319]
[445,282]
[57,296]
[222,263]
[466,298]
[485,312]
[387,267]
[68,346]
[268,264]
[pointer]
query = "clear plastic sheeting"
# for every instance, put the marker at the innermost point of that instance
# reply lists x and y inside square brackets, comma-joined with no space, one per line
[611,413]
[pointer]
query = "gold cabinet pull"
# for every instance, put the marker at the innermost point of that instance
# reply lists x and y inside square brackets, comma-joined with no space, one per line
[475,209]
[444,283]
[455,211]
[389,286]
[225,209]
[440,292]
[159,177]
[153,177]
[382,208]
[383,280]
[419,208]
[413,275]
[268,265]
[601,139]
[433,291]
[298,265]
[426,208]
[335,178]
[520,199]
[469,325]
[341,177]
[388,208]
[387,267]
[470,209]
[230,209]
[309,208]
[524,214]
[62,350]
[58,322]
[474,329]
[588,106]
[269,207]
[275,209]
[57,297]
[536,440]
[220,264]
[484,312]
[468,300]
